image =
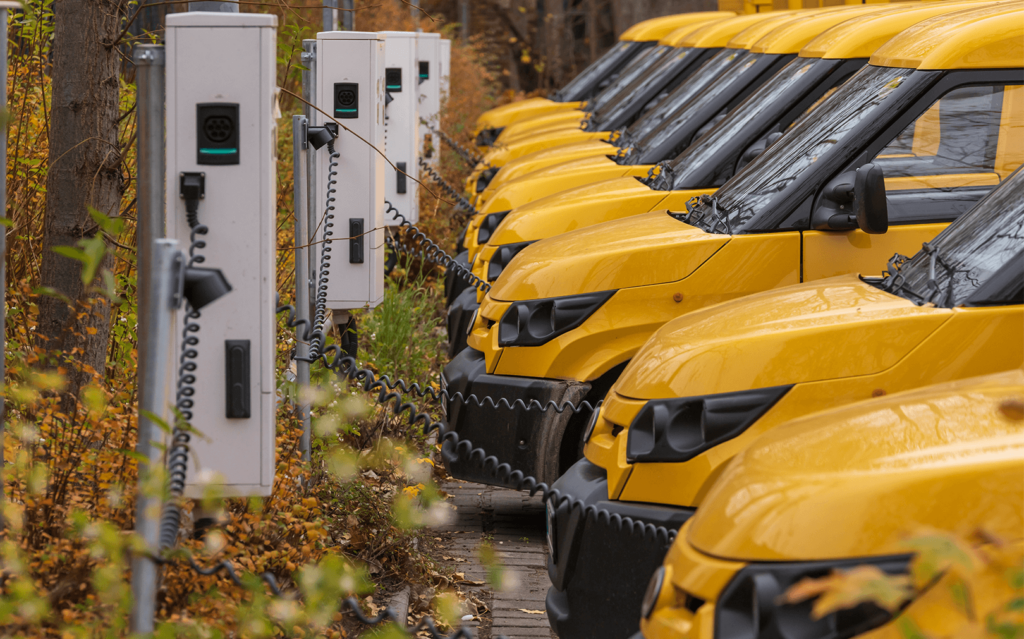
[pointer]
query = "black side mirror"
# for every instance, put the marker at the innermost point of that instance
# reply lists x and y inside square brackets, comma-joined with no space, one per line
[855,199]
[869,200]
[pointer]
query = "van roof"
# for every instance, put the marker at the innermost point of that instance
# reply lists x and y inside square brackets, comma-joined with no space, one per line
[791,37]
[718,34]
[658,28]
[675,39]
[988,37]
[860,37]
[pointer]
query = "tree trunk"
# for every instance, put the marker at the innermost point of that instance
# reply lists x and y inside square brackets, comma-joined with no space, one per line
[84,160]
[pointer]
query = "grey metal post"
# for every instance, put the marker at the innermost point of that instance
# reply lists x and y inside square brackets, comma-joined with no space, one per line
[154,312]
[4,6]
[299,145]
[313,116]
[330,15]
[414,9]
[348,17]
[464,19]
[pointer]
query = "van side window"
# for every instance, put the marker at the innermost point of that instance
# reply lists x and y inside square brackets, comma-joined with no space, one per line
[954,153]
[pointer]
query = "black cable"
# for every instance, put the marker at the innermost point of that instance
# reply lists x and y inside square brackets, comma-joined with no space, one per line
[434,253]
[464,153]
[449,190]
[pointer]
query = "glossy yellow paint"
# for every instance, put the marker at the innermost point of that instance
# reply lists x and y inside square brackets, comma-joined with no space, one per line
[506,114]
[797,335]
[499,155]
[986,37]
[558,178]
[745,39]
[546,158]
[790,37]
[1010,148]
[718,34]
[658,28]
[828,254]
[860,37]
[942,457]
[536,125]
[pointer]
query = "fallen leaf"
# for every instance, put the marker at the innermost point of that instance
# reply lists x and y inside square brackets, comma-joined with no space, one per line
[531,612]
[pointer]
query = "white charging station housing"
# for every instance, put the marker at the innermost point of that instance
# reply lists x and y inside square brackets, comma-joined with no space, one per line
[221,107]
[350,86]
[428,48]
[445,64]
[401,125]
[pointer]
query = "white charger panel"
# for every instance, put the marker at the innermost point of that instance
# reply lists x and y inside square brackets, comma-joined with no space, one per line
[401,125]
[221,103]
[445,64]
[428,47]
[350,86]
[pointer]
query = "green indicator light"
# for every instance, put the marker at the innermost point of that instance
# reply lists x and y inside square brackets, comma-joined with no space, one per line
[345,110]
[424,76]
[394,86]
[218,151]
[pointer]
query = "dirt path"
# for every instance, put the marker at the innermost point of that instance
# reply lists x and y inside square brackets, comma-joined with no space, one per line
[513,524]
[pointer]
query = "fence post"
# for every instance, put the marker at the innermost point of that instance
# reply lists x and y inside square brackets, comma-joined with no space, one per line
[330,15]
[154,311]
[302,252]
[348,17]
[464,19]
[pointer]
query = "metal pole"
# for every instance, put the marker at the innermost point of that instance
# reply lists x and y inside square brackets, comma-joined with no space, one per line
[213,5]
[330,15]
[348,17]
[299,145]
[154,268]
[4,6]
[464,19]
[313,117]
[414,9]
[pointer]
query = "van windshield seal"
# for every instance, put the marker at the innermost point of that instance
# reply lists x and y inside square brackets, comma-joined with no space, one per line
[786,88]
[749,199]
[646,60]
[950,268]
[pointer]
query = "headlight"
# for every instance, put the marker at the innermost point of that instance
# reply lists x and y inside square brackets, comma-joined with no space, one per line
[750,606]
[536,322]
[485,178]
[502,257]
[488,224]
[654,587]
[675,430]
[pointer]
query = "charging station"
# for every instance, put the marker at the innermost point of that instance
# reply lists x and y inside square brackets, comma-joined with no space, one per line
[444,63]
[221,146]
[428,52]
[401,125]
[350,73]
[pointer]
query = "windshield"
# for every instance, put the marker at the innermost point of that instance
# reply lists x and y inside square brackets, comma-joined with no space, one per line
[967,253]
[588,80]
[745,197]
[664,141]
[646,60]
[770,101]
[642,90]
[702,77]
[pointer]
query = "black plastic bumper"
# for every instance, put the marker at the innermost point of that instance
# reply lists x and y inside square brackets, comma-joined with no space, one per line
[453,285]
[529,441]
[599,570]
[460,320]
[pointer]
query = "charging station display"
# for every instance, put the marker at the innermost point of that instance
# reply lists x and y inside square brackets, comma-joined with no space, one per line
[350,78]
[428,47]
[401,125]
[221,143]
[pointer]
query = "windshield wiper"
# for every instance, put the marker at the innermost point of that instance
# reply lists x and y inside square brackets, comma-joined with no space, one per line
[708,201]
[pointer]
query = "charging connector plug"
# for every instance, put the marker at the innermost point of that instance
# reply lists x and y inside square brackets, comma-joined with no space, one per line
[192,188]
[318,136]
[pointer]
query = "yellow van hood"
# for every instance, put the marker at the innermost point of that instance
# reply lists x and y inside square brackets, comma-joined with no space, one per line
[550,157]
[944,457]
[647,249]
[506,114]
[503,153]
[575,209]
[567,119]
[558,178]
[826,329]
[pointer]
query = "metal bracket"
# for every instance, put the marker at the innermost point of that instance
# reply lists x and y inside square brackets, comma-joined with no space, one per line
[178,280]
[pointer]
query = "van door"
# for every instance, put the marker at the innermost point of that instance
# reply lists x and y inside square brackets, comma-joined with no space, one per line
[936,169]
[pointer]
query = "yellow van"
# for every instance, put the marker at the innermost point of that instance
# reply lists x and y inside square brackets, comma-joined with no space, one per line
[844,488]
[633,41]
[707,384]
[569,313]
[679,52]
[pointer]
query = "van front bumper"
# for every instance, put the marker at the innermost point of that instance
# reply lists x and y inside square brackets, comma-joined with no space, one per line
[527,440]
[599,569]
